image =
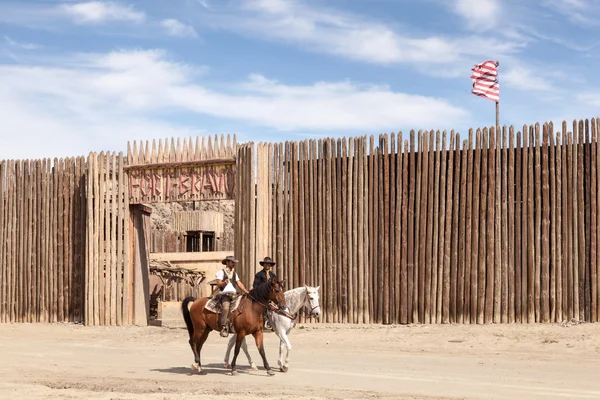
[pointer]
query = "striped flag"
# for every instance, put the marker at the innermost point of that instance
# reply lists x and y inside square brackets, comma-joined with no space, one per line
[485,80]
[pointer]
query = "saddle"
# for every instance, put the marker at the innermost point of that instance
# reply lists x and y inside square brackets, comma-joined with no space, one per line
[214,305]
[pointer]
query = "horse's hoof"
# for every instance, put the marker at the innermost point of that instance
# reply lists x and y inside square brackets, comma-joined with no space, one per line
[202,372]
[234,373]
[254,367]
[284,369]
[270,372]
[195,367]
[227,365]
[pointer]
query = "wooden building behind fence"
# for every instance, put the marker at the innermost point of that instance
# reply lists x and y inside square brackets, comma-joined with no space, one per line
[495,226]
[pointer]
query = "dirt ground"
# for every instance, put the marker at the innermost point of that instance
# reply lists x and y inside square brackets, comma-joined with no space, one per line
[328,362]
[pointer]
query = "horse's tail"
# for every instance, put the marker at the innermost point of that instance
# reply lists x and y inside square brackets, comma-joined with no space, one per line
[186,314]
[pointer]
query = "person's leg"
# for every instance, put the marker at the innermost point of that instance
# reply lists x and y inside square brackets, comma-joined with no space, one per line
[225,303]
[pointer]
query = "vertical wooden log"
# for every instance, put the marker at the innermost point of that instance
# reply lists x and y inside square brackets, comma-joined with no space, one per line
[596,159]
[538,223]
[492,273]
[410,253]
[436,263]
[510,155]
[36,250]
[580,222]
[587,216]
[594,223]
[518,155]
[429,231]
[423,227]
[391,224]
[560,231]
[468,227]
[524,225]
[545,270]
[330,196]
[483,266]
[475,229]
[380,236]
[447,234]
[530,231]
[339,159]
[461,284]
[454,235]
[346,269]
[2,244]
[384,238]
[359,230]
[553,219]
[442,228]
[507,277]
[300,265]
[121,215]
[404,274]
[573,243]
[418,172]
[399,207]
[366,238]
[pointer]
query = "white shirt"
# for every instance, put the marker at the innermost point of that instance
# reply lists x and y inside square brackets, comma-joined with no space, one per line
[229,288]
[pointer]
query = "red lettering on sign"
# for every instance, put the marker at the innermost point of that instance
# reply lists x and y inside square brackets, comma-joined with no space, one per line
[184,183]
[133,183]
[156,183]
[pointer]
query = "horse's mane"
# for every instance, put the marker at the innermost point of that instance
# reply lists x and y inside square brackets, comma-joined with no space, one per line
[261,292]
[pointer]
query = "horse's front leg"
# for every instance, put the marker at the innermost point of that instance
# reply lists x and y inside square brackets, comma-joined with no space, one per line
[285,342]
[281,349]
[245,348]
[258,336]
[230,345]
[238,343]
[199,343]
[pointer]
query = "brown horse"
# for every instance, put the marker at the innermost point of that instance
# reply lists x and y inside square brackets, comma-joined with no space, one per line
[247,320]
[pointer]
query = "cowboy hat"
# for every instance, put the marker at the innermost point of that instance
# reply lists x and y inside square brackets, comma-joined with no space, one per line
[267,260]
[229,258]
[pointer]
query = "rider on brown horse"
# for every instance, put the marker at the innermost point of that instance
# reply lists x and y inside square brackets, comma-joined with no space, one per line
[262,276]
[228,282]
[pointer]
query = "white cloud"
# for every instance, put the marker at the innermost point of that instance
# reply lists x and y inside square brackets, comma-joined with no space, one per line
[479,14]
[203,3]
[99,101]
[98,11]
[589,98]
[176,28]
[523,78]
[332,31]
[20,45]
[578,11]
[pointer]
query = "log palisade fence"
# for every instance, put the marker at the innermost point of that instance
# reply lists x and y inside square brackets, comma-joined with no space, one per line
[42,240]
[496,227]
[499,228]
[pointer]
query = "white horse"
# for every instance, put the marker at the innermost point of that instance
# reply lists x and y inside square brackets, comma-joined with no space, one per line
[296,299]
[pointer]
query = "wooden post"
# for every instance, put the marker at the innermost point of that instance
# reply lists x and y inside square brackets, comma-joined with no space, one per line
[141,271]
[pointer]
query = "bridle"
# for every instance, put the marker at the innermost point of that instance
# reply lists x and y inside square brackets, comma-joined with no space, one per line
[271,305]
[306,313]
[306,298]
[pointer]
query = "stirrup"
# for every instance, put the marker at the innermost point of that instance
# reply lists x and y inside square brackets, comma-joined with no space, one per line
[224,332]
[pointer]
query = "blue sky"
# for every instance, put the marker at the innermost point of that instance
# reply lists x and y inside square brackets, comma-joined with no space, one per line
[89,76]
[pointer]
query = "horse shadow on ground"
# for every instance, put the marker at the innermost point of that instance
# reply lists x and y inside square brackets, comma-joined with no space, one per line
[213,368]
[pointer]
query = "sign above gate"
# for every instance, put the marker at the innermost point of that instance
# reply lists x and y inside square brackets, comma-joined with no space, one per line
[162,185]
[188,173]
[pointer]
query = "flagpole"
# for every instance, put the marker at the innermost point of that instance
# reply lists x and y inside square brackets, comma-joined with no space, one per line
[497,107]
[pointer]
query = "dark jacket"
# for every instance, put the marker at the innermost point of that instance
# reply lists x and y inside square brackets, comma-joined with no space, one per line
[261,277]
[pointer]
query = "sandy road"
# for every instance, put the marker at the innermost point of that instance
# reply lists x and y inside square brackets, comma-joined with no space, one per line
[328,361]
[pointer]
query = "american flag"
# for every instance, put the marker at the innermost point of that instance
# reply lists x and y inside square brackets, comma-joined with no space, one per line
[485,80]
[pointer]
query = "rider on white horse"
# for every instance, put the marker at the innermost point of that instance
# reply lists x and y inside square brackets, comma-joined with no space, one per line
[265,275]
